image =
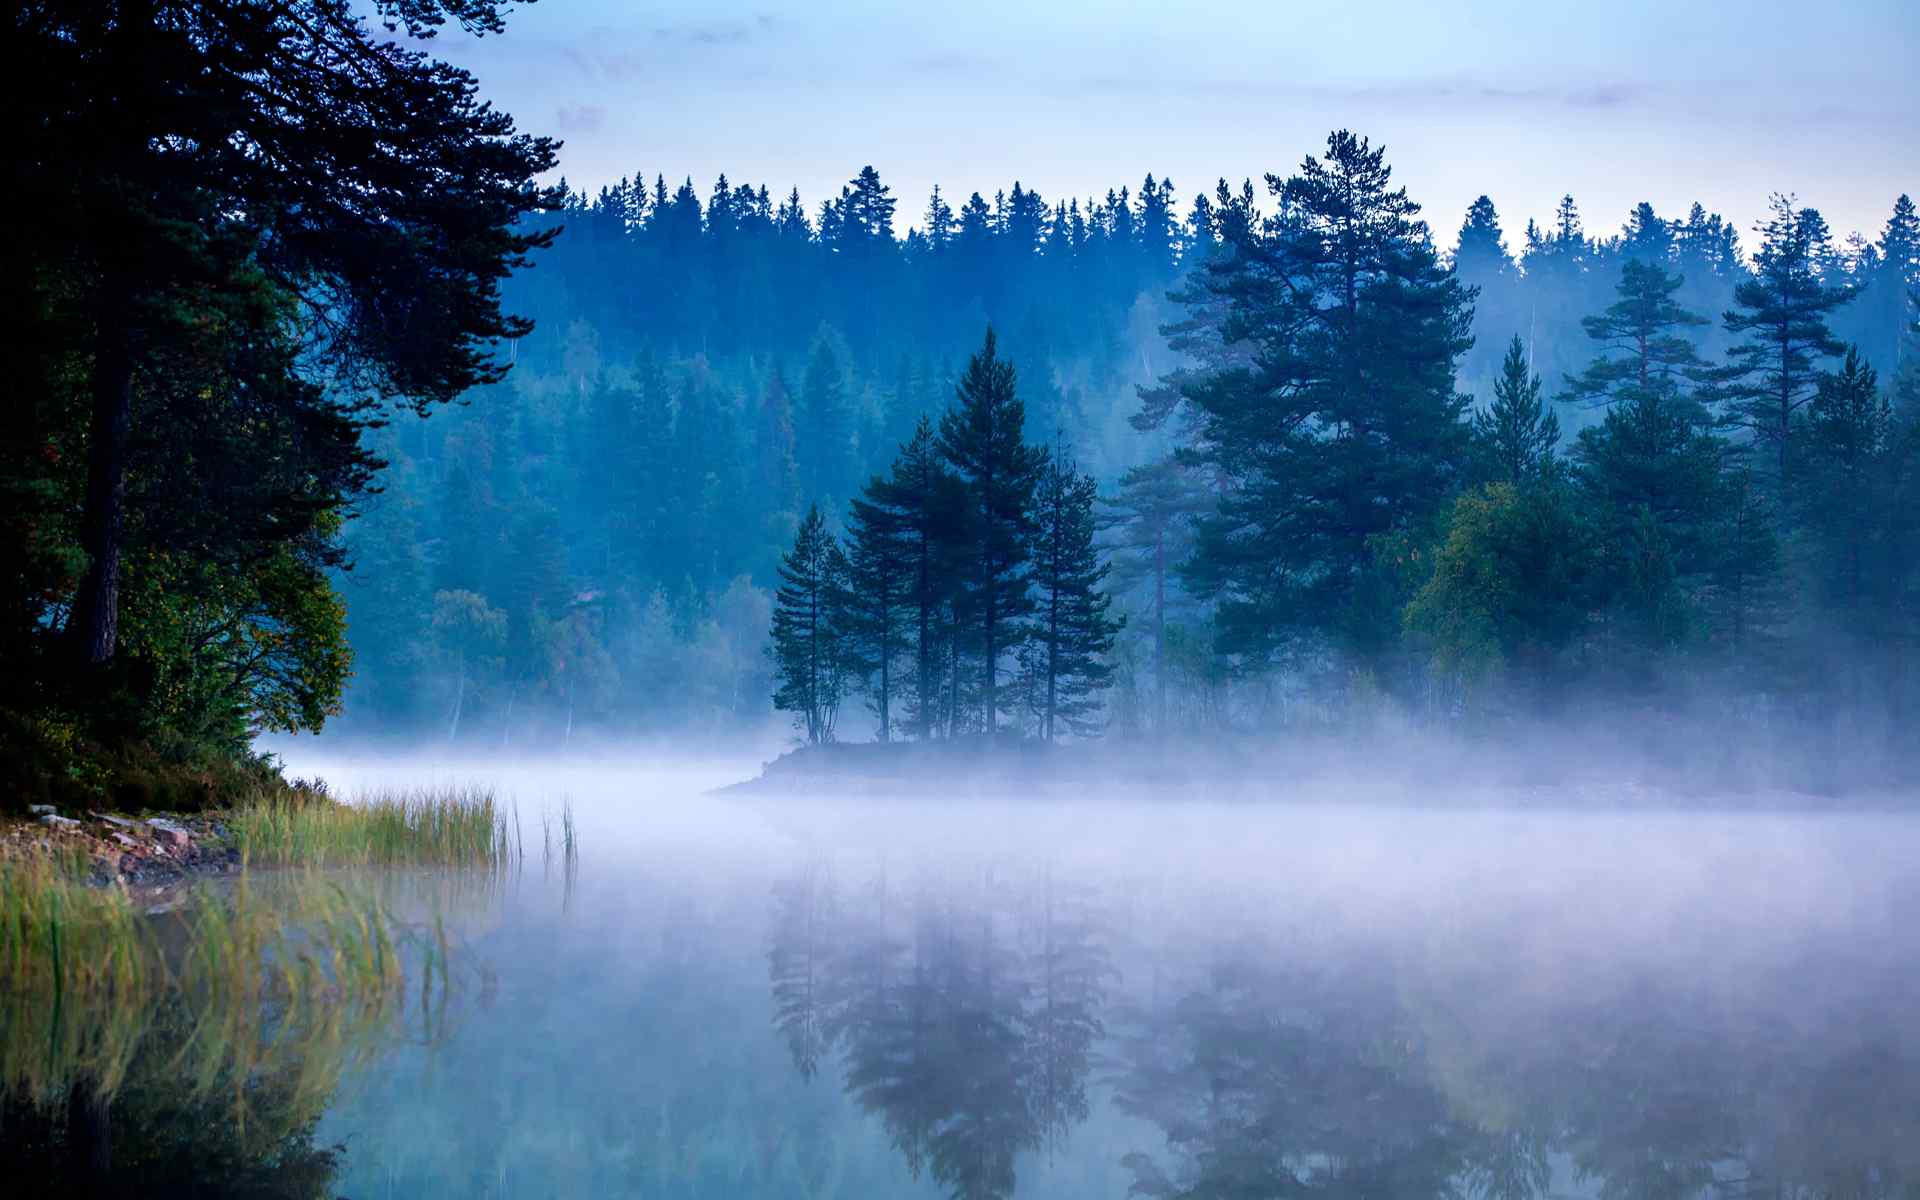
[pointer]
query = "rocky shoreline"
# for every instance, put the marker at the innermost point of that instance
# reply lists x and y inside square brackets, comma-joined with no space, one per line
[151,854]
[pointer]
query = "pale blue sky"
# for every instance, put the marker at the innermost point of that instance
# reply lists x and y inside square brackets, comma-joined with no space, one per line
[1614,102]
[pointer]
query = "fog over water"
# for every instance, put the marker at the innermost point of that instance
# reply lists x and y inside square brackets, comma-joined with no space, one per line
[803,995]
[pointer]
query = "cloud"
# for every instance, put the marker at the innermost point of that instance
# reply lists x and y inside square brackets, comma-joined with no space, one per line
[1418,93]
[580,118]
[716,33]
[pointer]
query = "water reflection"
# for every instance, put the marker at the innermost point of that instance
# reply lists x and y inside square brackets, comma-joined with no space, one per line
[978,1015]
[192,1051]
[1073,1005]
[964,1017]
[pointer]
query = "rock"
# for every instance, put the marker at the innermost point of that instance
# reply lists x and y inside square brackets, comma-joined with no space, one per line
[55,821]
[116,822]
[166,833]
[40,810]
[124,840]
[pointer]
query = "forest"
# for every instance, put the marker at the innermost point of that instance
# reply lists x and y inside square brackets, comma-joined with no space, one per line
[1269,457]
[530,464]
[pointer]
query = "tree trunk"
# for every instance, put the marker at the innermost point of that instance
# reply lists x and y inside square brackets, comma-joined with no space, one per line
[991,673]
[1160,632]
[95,622]
[886,674]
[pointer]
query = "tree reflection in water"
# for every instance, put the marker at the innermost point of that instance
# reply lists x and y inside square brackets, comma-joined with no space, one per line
[983,1018]
[202,1065]
[964,1016]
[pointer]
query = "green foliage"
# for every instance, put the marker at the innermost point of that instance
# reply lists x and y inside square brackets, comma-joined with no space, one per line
[439,827]
[1341,421]
[1512,581]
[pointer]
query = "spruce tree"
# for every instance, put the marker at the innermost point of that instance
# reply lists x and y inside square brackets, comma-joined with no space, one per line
[879,597]
[982,439]
[809,649]
[1781,317]
[1072,631]
[921,506]
[1340,422]
[1515,435]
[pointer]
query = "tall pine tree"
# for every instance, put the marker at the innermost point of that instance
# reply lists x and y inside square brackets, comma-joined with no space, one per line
[1781,317]
[1344,425]
[809,648]
[982,439]
[1072,630]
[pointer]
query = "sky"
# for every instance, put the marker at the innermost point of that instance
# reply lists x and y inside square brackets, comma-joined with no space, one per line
[1671,102]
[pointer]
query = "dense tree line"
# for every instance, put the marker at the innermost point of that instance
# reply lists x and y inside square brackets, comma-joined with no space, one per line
[662,464]
[677,465]
[1734,521]
[1326,470]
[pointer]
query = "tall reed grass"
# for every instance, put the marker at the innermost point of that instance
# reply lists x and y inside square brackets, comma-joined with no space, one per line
[461,827]
[295,981]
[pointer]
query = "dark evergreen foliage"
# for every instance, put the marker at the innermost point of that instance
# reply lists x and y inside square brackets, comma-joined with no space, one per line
[982,437]
[1345,424]
[1774,370]
[1515,435]
[811,644]
[1072,630]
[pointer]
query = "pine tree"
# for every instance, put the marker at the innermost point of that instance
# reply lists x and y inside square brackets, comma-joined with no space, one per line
[880,592]
[921,505]
[1893,293]
[1644,349]
[1480,252]
[1516,434]
[1847,497]
[197,224]
[1150,525]
[1653,475]
[1646,238]
[1072,630]
[1781,314]
[1344,423]
[982,440]
[808,647]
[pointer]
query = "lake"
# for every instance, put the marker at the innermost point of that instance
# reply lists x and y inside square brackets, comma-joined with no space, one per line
[783,996]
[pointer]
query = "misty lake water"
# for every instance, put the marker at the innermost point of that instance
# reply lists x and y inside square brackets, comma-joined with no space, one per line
[735,997]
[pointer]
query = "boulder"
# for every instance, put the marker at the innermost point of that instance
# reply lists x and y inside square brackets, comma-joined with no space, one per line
[56,821]
[168,834]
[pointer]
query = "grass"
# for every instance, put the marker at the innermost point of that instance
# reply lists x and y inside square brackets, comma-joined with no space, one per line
[438,827]
[290,982]
[288,977]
